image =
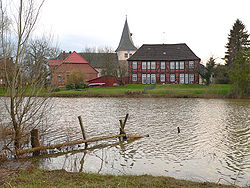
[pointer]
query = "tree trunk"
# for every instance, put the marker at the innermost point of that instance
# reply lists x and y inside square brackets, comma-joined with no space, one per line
[17,139]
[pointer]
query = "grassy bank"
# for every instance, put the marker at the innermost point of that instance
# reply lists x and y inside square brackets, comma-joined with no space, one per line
[133,90]
[34,177]
[169,90]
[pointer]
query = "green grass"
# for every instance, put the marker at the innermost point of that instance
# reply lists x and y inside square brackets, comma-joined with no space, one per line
[35,177]
[215,89]
[173,90]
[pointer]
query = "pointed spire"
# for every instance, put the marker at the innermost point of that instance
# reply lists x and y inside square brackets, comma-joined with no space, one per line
[126,42]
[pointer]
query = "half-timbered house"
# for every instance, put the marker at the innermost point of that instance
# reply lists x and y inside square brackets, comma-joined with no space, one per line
[163,63]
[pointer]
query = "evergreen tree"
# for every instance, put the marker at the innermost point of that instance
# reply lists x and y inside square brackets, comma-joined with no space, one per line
[239,74]
[237,41]
[208,71]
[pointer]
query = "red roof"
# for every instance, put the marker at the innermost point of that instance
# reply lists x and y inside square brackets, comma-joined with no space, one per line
[55,62]
[75,58]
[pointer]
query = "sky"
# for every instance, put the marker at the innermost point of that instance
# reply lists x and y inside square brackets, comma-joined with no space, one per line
[203,25]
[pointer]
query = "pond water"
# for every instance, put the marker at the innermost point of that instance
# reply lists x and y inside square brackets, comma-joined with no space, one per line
[213,143]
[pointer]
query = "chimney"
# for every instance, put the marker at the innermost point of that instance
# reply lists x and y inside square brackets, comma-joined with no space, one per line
[63,55]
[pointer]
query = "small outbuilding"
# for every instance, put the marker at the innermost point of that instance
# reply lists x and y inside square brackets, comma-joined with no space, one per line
[104,81]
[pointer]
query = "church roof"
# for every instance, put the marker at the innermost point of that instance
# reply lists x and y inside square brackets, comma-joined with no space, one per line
[126,42]
[164,52]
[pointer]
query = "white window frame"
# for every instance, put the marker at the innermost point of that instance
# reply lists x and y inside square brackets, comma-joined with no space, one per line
[191,64]
[148,65]
[191,78]
[163,65]
[153,65]
[144,65]
[172,65]
[177,65]
[153,78]
[181,65]
[134,77]
[148,78]
[182,79]
[134,65]
[163,78]
[59,78]
[172,77]
[144,78]
[186,79]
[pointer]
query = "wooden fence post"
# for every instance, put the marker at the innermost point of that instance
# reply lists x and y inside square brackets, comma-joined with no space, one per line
[83,131]
[35,141]
[122,128]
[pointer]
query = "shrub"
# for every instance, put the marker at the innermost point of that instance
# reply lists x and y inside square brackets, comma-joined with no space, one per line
[70,86]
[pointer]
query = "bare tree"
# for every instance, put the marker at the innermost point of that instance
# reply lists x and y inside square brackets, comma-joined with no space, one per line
[23,103]
[38,53]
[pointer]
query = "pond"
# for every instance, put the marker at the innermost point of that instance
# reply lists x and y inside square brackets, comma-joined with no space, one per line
[213,143]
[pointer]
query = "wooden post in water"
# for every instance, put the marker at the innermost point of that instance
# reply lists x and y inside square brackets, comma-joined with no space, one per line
[35,141]
[82,128]
[122,129]
[178,129]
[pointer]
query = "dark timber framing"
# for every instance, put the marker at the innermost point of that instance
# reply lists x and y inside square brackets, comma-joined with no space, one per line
[164,53]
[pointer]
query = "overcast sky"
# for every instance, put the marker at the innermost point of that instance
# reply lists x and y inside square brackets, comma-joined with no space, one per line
[202,24]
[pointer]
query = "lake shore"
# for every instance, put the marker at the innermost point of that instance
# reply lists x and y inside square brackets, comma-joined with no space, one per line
[219,91]
[22,173]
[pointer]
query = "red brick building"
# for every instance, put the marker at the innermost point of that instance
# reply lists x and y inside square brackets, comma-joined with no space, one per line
[5,65]
[163,63]
[62,68]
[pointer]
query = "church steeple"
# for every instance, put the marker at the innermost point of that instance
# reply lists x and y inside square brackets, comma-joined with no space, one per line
[126,42]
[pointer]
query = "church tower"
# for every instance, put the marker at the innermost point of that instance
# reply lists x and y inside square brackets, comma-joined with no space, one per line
[126,46]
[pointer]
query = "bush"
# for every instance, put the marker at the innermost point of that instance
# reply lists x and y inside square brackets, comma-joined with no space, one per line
[80,86]
[70,87]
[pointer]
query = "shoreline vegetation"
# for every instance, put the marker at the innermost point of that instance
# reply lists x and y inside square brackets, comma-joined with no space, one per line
[148,91]
[224,91]
[31,176]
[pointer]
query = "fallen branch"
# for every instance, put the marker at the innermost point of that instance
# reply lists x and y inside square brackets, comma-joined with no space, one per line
[41,148]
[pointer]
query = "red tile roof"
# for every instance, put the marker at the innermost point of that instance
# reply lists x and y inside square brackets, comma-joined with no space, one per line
[75,58]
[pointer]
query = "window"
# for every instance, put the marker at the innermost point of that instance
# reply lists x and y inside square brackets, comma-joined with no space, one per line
[181,78]
[163,65]
[153,79]
[162,78]
[153,65]
[171,65]
[126,55]
[130,55]
[134,77]
[176,65]
[172,77]
[144,78]
[186,78]
[191,78]
[134,64]
[144,65]
[191,64]
[59,78]
[148,78]
[181,64]
[148,65]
